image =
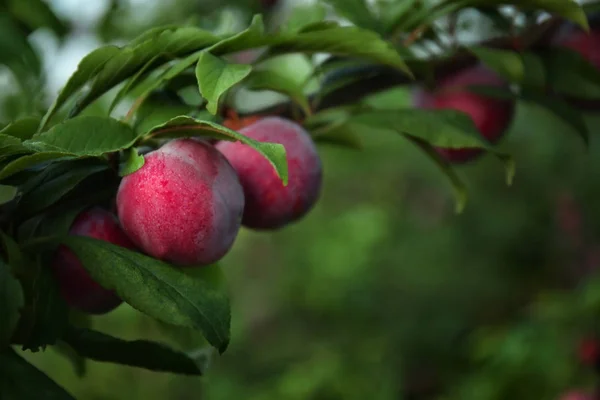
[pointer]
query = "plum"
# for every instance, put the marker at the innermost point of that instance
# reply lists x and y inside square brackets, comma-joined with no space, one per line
[491,116]
[184,205]
[76,286]
[269,204]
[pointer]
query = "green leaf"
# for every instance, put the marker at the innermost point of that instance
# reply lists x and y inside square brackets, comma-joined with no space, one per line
[131,83]
[64,177]
[7,193]
[170,44]
[395,12]
[45,314]
[187,126]
[561,109]
[158,289]
[133,162]
[37,14]
[16,52]
[348,41]
[272,80]
[304,15]
[85,136]
[23,128]
[88,67]
[25,162]
[339,134]
[507,63]
[571,74]
[8,140]
[216,76]
[357,12]
[157,108]
[21,380]
[139,353]
[251,37]
[459,188]
[442,128]
[11,301]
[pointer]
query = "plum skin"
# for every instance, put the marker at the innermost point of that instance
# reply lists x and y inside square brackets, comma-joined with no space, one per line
[184,205]
[491,116]
[76,286]
[270,204]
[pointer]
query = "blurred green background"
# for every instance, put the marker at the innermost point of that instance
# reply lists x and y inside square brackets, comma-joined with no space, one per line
[382,291]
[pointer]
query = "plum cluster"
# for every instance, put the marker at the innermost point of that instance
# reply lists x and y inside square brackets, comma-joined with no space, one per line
[187,203]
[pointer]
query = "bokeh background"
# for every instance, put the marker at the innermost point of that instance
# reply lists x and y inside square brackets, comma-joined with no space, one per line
[382,291]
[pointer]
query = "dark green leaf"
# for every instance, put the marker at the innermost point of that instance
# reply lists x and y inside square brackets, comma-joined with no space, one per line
[66,176]
[85,136]
[394,13]
[15,50]
[571,74]
[187,126]
[216,76]
[133,162]
[20,380]
[88,67]
[37,14]
[158,289]
[357,12]
[7,193]
[272,80]
[44,315]
[11,301]
[139,353]
[23,128]
[25,162]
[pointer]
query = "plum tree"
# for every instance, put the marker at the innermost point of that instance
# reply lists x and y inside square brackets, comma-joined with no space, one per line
[184,205]
[269,204]
[491,116]
[78,289]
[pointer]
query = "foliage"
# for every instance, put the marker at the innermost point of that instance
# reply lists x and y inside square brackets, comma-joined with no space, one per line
[181,80]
